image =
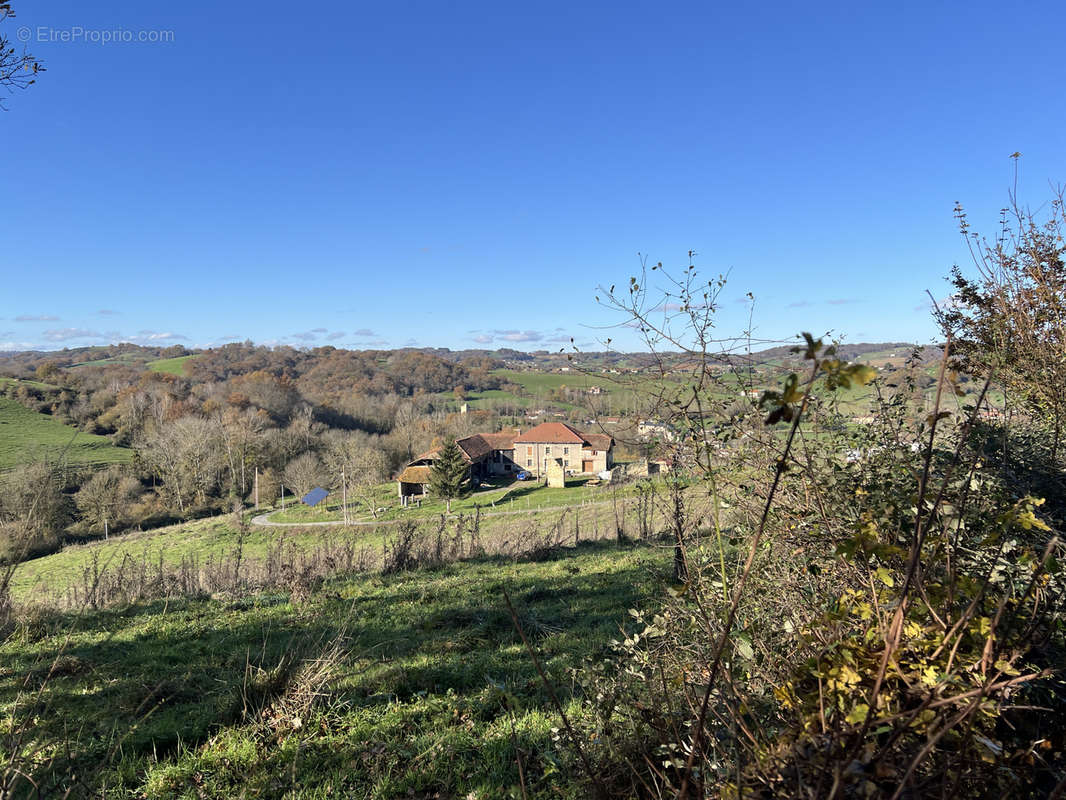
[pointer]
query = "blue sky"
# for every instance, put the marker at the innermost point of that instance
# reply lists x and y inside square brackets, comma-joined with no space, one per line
[467,174]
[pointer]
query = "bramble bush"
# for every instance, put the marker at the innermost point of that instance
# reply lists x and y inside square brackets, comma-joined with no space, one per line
[868,610]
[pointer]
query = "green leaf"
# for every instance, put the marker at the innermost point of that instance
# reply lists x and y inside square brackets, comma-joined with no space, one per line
[742,642]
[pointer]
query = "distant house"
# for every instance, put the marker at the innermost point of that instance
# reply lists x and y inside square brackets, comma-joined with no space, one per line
[649,430]
[510,452]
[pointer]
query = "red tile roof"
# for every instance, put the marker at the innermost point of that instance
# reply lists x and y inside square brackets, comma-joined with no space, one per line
[482,445]
[551,433]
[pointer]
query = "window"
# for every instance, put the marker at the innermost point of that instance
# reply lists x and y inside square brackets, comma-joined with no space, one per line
[547,449]
[529,450]
[566,462]
[566,451]
[529,462]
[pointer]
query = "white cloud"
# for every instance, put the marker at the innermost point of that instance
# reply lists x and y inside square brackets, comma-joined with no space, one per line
[36,318]
[156,336]
[66,334]
[519,336]
[142,337]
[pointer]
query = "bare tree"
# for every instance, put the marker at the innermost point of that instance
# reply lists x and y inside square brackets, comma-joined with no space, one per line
[1010,319]
[33,510]
[362,466]
[304,473]
[243,444]
[18,70]
[186,455]
[104,498]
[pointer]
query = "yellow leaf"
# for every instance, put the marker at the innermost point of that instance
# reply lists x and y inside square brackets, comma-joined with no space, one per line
[858,714]
[930,677]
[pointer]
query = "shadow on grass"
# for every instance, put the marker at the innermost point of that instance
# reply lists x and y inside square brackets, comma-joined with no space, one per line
[530,488]
[145,680]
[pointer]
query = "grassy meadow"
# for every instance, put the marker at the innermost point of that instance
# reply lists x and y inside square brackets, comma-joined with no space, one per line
[201,540]
[44,387]
[410,685]
[215,540]
[27,435]
[173,366]
[516,496]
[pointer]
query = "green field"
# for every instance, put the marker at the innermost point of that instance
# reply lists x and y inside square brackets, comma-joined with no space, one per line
[536,388]
[44,387]
[543,382]
[422,677]
[26,435]
[519,496]
[127,359]
[200,540]
[173,366]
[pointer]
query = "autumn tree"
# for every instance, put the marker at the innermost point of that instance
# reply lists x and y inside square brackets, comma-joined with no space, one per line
[447,476]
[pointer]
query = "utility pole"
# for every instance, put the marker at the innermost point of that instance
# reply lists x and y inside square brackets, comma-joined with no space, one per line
[257,488]
[344,498]
[283,497]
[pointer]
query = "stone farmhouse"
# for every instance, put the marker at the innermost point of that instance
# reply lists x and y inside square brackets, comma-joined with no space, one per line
[579,452]
[510,452]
